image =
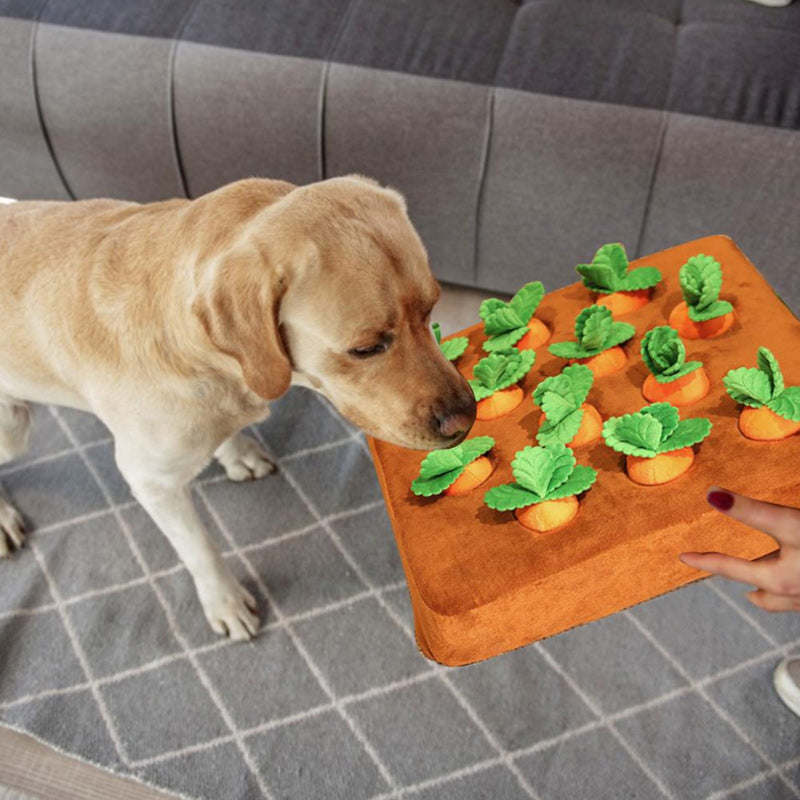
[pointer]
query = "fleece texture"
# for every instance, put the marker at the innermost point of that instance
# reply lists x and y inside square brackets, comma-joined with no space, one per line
[481,584]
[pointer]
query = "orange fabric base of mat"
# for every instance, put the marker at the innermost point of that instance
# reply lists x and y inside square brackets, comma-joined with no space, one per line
[481,584]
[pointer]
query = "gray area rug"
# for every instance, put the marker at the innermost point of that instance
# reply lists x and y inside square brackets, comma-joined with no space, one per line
[105,654]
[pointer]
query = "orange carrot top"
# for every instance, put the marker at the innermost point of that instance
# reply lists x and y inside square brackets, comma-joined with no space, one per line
[701,281]
[541,473]
[506,323]
[500,370]
[653,430]
[441,468]
[561,398]
[609,272]
[764,386]
[595,332]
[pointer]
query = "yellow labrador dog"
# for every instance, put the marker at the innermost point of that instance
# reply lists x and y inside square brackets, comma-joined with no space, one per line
[177,322]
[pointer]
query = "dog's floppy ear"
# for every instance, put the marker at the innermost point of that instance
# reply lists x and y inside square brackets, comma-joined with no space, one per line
[237,301]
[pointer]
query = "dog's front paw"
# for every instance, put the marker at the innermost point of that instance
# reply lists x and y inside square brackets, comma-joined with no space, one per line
[243,459]
[12,529]
[229,608]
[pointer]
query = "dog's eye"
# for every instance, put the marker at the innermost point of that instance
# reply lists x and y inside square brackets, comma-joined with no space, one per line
[366,352]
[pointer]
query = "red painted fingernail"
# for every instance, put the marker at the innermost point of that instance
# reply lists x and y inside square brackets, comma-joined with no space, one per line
[720,499]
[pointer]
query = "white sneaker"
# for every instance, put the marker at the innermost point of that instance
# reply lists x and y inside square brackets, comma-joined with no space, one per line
[773,3]
[787,682]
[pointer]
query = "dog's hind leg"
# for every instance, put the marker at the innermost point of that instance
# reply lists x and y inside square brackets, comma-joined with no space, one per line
[15,424]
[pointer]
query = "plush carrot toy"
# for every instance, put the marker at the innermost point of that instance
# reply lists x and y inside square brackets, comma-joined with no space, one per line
[772,410]
[620,288]
[672,378]
[657,444]
[547,481]
[456,471]
[452,348]
[512,324]
[495,382]
[566,416]
[701,315]
[598,341]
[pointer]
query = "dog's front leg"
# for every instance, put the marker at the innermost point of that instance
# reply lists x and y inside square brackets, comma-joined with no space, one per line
[164,493]
[243,459]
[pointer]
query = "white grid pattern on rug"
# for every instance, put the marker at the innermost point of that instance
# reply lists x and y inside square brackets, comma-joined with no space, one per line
[361,703]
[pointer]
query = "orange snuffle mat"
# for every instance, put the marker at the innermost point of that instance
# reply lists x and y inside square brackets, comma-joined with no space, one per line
[482,584]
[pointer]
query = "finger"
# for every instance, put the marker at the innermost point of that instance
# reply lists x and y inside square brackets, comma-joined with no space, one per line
[773,602]
[782,522]
[756,573]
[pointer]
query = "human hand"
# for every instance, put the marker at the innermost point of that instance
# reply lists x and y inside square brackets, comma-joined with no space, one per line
[777,577]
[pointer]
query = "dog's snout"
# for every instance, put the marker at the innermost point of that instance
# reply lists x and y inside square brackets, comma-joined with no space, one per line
[455,423]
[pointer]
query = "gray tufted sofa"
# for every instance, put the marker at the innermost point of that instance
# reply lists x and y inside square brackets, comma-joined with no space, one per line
[524,135]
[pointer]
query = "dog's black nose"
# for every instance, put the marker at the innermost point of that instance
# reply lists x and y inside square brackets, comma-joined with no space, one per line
[455,423]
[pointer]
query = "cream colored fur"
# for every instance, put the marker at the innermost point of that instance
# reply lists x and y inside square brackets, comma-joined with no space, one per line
[177,322]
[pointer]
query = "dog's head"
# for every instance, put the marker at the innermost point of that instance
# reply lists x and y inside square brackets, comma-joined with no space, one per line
[331,284]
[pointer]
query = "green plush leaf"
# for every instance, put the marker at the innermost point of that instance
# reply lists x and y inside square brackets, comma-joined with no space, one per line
[614,257]
[610,272]
[666,414]
[440,468]
[560,397]
[688,432]
[568,350]
[620,332]
[579,481]
[527,299]
[787,403]
[542,469]
[490,306]
[701,280]
[717,309]
[685,369]
[597,278]
[748,386]
[480,391]
[768,364]
[503,320]
[595,331]
[454,348]
[556,406]
[633,434]
[592,327]
[428,487]
[563,431]
[563,465]
[500,370]
[663,352]
[504,341]
[470,449]
[439,462]
[520,365]
[489,371]
[640,278]
[509,320]
[579,379]
[509,496]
